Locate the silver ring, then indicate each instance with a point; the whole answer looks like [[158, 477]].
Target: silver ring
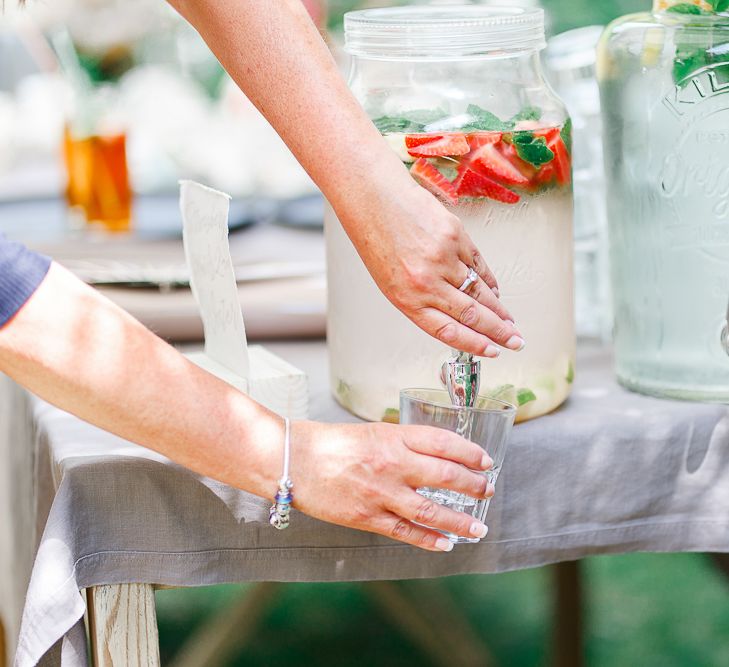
[[471, 278]]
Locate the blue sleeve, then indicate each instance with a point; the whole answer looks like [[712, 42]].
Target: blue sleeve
[[21, 271]]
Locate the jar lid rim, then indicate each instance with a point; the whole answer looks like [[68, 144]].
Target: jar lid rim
[[442, 15], [443, 30]]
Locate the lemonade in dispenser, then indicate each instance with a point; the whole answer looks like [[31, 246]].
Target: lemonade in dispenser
[[458, 93]]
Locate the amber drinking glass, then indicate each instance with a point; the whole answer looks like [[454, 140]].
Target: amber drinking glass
[[98, 189]]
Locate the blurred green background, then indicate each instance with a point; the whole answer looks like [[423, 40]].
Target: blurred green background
[[647, 610], [641, 610], [564, 14]]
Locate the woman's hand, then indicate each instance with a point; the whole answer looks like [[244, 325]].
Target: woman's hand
[[419, 254], [365, 476]]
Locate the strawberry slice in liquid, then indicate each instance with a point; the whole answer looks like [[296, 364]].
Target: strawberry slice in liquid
[[415, 140], [451, 144], [479, 139], [490, 161], [528, 171], [473, 184], [433, 181], [562, 161]]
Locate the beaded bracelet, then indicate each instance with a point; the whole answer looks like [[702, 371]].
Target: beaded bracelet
[[278, 516]]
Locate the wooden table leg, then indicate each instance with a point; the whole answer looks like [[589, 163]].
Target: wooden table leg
[[123, 626], [568, 648]]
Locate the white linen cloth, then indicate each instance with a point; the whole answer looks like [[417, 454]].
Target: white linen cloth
[[609, 472]]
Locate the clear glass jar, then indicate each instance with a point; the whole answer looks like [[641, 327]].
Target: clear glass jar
[[569, 62], [459, 94], [664, 79]]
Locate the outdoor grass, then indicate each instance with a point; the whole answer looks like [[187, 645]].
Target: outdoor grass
[[667, 610]]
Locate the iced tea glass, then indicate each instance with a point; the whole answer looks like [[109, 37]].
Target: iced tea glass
[[98, 189], [488, 424]]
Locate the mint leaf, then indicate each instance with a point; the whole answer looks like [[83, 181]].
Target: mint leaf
[[570, 377], [689, 58], [409, 121], [524, 396], [343, 389], [719, 5], [479, 120], [424, 116], [566, 134], [530, 113], [687, 61], [532, 149], [386, 124], [685, 8], [485, 121]]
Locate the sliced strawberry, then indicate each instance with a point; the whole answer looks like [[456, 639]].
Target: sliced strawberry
[[528, 171], [414, 140], [489, 161], [546, 174], [472, 184], [453, 143], [562, 161], [552, 134], [433, 181], [479, 139], [463, 168]]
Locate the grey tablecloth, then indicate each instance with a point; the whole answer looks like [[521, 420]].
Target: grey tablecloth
[[609, 472]]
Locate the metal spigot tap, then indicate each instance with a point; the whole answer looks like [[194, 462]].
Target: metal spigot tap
[[462, 377]]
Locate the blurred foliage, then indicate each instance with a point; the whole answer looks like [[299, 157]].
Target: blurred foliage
[[652, 610], [108, 66], [568, 14], [564, 14]]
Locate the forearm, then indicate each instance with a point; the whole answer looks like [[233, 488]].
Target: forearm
[[277, 57], [77, 350]]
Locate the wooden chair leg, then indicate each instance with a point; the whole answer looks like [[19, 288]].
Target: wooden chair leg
[[432, 621], [721, 562], [3, 646], [217, 641], [123, 626], [448, 618], [568, 643]]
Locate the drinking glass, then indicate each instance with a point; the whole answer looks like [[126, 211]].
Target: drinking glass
[[98, 191], [488, 424]]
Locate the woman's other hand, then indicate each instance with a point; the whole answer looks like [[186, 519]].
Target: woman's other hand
[[365, 476]]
